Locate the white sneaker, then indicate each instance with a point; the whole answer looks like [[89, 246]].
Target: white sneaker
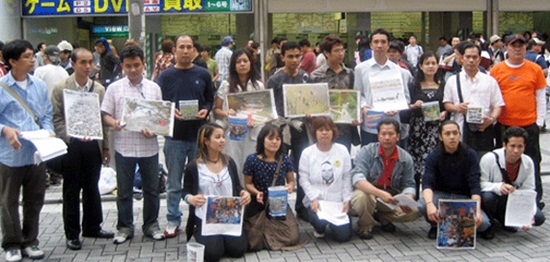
[[318, 235], [158, 235], [120, 238], [13, 255], [33, 252], [171, 231]]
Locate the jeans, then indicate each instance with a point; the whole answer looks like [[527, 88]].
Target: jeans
[[339, 233], [495, 207], [437, 195], [125, 169], [177, 153]]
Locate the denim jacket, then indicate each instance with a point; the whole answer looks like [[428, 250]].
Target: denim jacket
[[369, 166]]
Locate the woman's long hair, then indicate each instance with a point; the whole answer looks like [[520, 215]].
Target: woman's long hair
[[419, 77], [205, 133], [233, 78], [267, 131]]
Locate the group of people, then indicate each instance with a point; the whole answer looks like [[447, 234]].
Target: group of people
[[401, 152]]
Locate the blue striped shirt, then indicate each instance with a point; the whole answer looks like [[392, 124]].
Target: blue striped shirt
[[12, 114]]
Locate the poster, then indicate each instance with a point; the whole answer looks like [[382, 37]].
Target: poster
[[388, 93], [302, 99], [457, 229], [238, 128], [222, 216], [431, 111], [344, 106], [189, 109], [278, 201], [372, 118], [260, 105], [82, 114], [155, 115]]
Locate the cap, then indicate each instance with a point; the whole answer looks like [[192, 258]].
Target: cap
[[538, 41], [65, 46], [514, 38], [227, 40], [493, 39], [53, 54]]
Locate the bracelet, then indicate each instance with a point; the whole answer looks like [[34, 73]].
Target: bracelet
[[185, 199], [429, 203]]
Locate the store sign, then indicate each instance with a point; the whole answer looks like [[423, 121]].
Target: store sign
[[37, 8]]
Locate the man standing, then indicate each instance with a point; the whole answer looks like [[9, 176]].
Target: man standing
[[133, 148], [338, 76], [452, 172], [382, 170], [535, 55], [223, 58], [17, 167], [39, 55], [65, 53], [495, 50], [51, 72], [504, 171], [183, 82], [108, 62], [308, 57], [365, 71], [413, 51], [82, 164], [210, 63], [522, 84], [443, 47], [469, 90]]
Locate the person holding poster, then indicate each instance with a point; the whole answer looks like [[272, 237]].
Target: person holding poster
[[452, 172], [383, 74], [212, 173], [325, 176], [505, 170]]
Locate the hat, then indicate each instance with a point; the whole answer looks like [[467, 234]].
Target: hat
[[538, 41], [514, 38], [53, 54], [65, 46], [494, 38], [227, 40]]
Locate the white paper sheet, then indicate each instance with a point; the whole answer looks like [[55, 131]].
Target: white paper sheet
[[222, 216], [403, 201], [520, 208], [388, 92], [332, 212], [47, 147]]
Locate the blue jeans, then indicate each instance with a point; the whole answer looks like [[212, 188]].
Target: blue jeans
[[485, 224], [341, 233], [125, 169], [177, 153]]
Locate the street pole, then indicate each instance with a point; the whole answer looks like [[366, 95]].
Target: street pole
[[136, 22]]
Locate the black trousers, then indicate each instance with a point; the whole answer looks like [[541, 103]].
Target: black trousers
[[81, 169]]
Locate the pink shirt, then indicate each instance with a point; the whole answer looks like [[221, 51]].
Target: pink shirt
[[130, 144]]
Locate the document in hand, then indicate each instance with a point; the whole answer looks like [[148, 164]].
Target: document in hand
[[332, 212], [520, 208], [403, 201], [47, 147]]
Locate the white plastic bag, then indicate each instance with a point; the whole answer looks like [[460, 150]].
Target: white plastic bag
[[107, 180]]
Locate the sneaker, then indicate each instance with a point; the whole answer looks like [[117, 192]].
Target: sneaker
[[33, 252], [432, 234], [158, 235], [317, 234], [120, 238], [13, 255], [171, 231]]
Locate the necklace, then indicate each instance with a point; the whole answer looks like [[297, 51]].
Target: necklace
[[213, 161]]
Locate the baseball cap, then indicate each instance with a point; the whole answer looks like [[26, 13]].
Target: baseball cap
[[65, 46], [53, 53], [514, 38], [227, 40], [538, 41], [494, 38]]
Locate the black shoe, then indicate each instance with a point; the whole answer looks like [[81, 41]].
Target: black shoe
[[100, 234], [541, 205], [389, 227], [302, 214], [488, 234], [365, 235], [510, 229], [74, 244], [432, 234]]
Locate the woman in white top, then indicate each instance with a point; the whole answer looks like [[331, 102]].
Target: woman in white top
[[212, 173], [325, 176], [242, 75]]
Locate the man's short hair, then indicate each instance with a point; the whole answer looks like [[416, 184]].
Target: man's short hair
[[181, 36], [398, 46], [14, 49], [131, 52], [205, 48], [389, 121], [447, 122], [77, 52], [443, 38], [380, 31], [304, 42], [467, 45], [515, 131], [330, 41], [289, 45], [281, 39]]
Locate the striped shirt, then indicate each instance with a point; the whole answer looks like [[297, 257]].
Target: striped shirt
[[130, 144], [15, 116]]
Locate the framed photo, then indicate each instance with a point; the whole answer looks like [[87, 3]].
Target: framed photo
[[474, 115], [222, 216], [458, 227], [345, 106], [430, 111], [260, 105], [82, 114], [302, 99], [155, 115], [238, 128], [189, 109]]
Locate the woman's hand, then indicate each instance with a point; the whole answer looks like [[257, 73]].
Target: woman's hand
[[260, 198], [231, 112], [245, 197], [197, 200], [289, 187], [417, 104], [346, 208], [314, 206]]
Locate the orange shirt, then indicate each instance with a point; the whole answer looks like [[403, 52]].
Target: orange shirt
[[518, 87]]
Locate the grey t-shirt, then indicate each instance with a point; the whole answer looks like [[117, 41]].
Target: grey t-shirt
[[276, 82]]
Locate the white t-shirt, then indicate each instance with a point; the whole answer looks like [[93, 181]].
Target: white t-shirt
[[51, 74]]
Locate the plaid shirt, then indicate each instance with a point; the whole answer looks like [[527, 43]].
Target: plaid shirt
[[130, 144], [223, 58]]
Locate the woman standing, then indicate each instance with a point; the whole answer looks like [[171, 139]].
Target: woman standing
[[212, 173], [165, 59], [242, 78], [427, 86], [325, 175]]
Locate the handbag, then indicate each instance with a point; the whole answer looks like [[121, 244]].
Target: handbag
[[264, 232]]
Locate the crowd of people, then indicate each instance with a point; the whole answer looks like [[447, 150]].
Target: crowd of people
[[483, 145]]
